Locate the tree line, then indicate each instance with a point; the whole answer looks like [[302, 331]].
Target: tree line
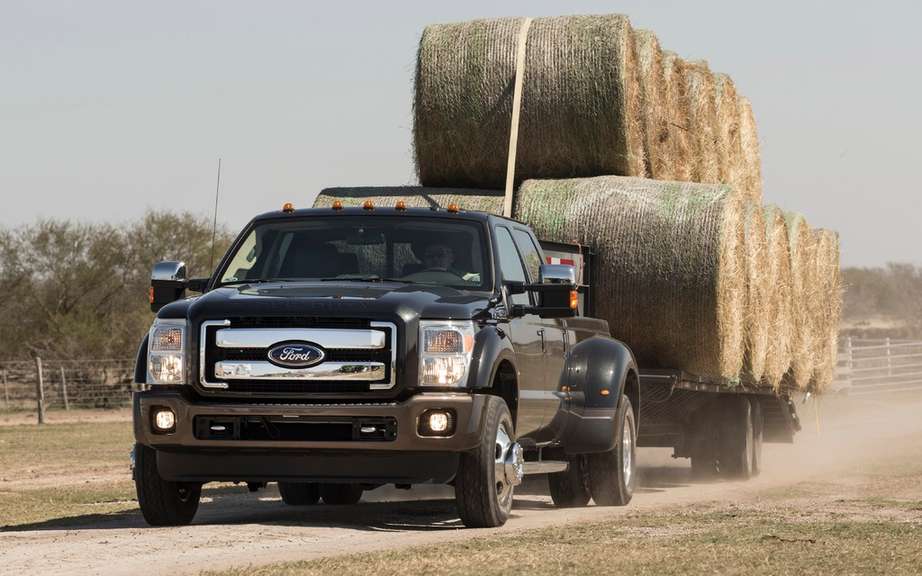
[[893, 291], [75, 290]]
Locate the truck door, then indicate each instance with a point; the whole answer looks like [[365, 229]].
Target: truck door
[[526, 333], [553, 331]]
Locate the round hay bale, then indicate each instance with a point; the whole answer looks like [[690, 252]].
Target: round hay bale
[[758, 291], [671, 270], [702, 121], [729, 147], [829, 309], [677, 116], [800, 247], [413, 196], [658, 149], [749, 147], [580, 101], [778, 273]]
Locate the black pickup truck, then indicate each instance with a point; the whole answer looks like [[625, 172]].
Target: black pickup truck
[[337, 350]]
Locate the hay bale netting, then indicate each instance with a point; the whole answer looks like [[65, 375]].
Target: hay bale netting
[[829, 311], [677, 116], [729, 147], [414, 196], [749, 147], [778, 278], [658, 149], [757, 293], [702, 121], [800, 248], [580, 101], [670, 263]]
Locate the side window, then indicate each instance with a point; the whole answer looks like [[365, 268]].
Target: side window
[[529, 252], [510, 263]]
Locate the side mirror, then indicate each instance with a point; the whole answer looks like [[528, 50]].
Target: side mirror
[[556, 289], [167, 283]]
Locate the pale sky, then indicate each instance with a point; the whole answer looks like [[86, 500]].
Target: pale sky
[[108, 108]]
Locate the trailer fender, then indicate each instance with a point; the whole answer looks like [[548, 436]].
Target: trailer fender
[[597, 374]]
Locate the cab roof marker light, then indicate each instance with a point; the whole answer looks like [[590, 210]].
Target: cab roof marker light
[[400, 205], [454, 208], [337, 205], [288, 208], [368, 205]]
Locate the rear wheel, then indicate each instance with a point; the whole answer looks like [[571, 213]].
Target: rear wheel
[[341, 494], [162, 503], [613, 474], [487, 475], [570, 489], [736, 437], [299, 493]]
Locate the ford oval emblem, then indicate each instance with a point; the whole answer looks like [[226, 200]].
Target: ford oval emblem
[[295, 355]]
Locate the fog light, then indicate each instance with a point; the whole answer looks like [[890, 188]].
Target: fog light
[[437, 423], [164, 420]]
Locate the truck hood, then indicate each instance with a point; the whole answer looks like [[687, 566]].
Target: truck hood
[[374, 300]]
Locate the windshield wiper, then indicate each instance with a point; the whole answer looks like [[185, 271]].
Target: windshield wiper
[[367, 278]]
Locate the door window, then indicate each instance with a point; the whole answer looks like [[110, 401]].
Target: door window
[[529, 252], [511, 264]]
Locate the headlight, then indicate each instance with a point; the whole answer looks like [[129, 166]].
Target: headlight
[[166, 352], [445, 350]]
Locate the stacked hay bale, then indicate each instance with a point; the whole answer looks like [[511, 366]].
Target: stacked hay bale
[[758, 292], [692, 276], [828, 308], [780, 314], [580, 101]]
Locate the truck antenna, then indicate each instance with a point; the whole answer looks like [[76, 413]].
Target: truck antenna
[[214, 223]]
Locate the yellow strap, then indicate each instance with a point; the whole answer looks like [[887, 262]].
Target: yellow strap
[[516, 109]]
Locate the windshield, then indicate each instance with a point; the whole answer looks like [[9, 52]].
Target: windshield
[[413, 250]]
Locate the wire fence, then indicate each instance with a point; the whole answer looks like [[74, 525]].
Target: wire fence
[[39, 385], [881, 366]]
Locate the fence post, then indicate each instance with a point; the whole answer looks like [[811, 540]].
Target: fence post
[[6, 390], [889, 364], [64, 389], [40, 391]]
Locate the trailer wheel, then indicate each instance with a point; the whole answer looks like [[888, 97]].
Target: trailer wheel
[[703, 442], [758, 425], [299, 493], [341, 494], [570, 489], [162, 503], [488, 474], [736, 437], [613, 474]]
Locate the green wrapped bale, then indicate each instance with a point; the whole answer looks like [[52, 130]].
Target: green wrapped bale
[[580, 101], [671, 263]]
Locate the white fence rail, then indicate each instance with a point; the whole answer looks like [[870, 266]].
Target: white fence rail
[[879, 366]]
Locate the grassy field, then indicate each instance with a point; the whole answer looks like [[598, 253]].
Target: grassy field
[[809, 534], [63, 470]]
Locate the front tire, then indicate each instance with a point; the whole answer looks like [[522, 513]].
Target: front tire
[[613, 474], [570, 489], [483, 490], [162, 503], [299, 493]]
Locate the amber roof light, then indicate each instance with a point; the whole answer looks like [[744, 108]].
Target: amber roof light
[[368, 205], [400, 205], [288, 208], [337, 205], [454, 208]]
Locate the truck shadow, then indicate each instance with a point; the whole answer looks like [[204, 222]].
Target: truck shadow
[[424, 508]]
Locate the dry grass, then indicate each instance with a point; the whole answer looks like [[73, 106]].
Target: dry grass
[[729, 147], [581, 100], [676, 95], [413, 196], [828, 312], [672, 274], [778, 277]]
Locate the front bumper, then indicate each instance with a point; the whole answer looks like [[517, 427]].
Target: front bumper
[[406, 457]]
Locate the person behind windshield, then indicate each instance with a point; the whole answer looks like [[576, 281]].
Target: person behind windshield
[[439, 257]]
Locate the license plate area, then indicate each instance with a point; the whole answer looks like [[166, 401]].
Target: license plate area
[[272, 428]]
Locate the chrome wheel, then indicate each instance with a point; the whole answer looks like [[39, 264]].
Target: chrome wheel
[[627, 448], [507, 465]]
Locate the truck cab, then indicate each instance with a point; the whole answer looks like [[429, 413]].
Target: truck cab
[[335, 350]]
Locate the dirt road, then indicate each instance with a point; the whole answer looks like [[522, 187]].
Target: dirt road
[[235, 528]]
